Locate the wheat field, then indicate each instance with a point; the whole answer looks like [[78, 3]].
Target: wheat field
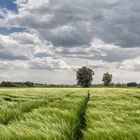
[[69, 114]]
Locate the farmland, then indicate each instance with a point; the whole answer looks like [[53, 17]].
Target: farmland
[[69, 114], [113, 114]]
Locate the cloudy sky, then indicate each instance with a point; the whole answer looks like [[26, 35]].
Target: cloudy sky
[[48, 40]]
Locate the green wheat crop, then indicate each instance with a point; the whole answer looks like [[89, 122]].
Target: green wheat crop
[[69, 114], [113, 114]]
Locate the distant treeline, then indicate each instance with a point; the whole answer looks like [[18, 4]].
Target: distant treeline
[[131, 84], [32, 84]]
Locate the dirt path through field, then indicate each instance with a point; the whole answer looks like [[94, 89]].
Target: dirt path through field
[[78, 133]]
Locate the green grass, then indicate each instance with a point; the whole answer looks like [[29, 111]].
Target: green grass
[[39, 113], [62, 114], [113, 114]]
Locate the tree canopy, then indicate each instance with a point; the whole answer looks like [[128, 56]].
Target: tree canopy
[[107, 78], [84, 76]]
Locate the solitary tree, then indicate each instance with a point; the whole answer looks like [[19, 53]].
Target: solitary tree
[[84, 76], [107, 78]]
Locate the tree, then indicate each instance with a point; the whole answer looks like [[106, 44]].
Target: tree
[[29, 84], [84, 76], [107, 78], [132, 84]]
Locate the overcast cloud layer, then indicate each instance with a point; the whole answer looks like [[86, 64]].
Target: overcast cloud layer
[[47, 41]]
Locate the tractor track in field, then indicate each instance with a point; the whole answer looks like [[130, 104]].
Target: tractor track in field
[[78, 131]]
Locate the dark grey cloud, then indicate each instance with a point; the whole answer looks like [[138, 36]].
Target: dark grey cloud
[[112, 21], [98, 50]]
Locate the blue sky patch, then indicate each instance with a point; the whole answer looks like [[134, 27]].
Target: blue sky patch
[[8, 4], [7, 31]]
